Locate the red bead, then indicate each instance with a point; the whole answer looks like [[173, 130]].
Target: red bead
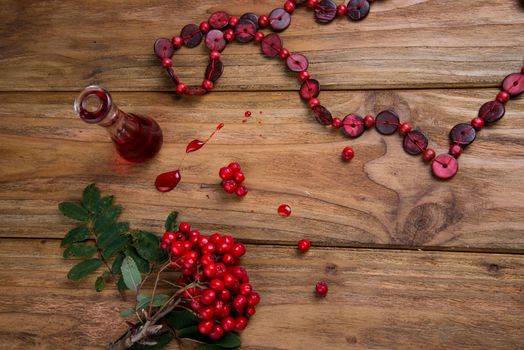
[[204, 27], [369, 121], [284, 53], [428, 154], [337, 123], [233, 21], [177, 42], [477, 123], [321, 288], [167, 63], [207, 84], [314, 102], [289, 6], [348, 154], [259, 36], [455, 150], [229, 34], [342, 10], [303, 75], [444, 166], [503, 97], [312, 3], [181, 88], [214, 55], [263, 20], [405, 128], [304, 245]]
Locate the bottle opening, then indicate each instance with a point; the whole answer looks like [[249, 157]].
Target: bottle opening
[[93, 104]]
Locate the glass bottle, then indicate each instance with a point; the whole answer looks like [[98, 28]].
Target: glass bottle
[[136, 138]]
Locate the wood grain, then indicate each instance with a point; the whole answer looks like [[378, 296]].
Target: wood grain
[[383, 197], [378, 299], [65, 45]]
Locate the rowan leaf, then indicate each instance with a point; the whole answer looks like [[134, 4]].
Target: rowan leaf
[[79, 250], [83, 269], [130, 273], [74, 211], [100, 283], [91, 198], [78, 234], [117, 245], [147, 245]]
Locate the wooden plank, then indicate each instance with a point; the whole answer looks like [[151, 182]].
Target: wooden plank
[[49, 45], [383, 197], [378, 299]]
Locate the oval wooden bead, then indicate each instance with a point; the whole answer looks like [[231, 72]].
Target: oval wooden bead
[[191, 35], [214, 70], [215, 40], [322, 115], [387, 122], [279, 19], [513, 84], [297, 62], [252, 17], [310, 88], [491, 111], [163, 48], [415, 142], [271, 45], [462, 134], [353, 125]]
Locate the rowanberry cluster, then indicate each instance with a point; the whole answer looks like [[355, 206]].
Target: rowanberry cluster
[[232, 179], [222, 296]]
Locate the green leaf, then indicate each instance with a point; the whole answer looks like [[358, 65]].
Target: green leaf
[[91, 197], [78, 234], [171, 221], [104, 203], [182, 319], [127, 313], [100, 283], [144, 300], [73, 211], [229, 340], [142, 264], [130, 273], [210, 347], [83, 269], [107, 217], [111, 232], [161, 342], [116, 246], [148, 246], [79, 250], [117, 264], [120, 284], [189, 332]]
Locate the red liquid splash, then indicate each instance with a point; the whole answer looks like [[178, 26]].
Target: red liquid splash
[[284, 210], [165, 182]]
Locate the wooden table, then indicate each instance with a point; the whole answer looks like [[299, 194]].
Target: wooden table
[[411, 262]]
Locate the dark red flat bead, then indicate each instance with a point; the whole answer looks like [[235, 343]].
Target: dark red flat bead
[[215, 40], [322, 115], [513, 84], [491, 111], [415, 142], [191, 35], [310, 88], [163, 48], [219, 20], [444, 166], [387, 122], [245, 30], [353, 125], [214, 70], [357, 9], [462, 134], [196, 91], [271, 45], [279, 19], [325, 11], [252, 17], [297, 62]]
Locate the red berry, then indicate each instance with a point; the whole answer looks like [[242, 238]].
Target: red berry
[[195, 305], [203, 241], [177, 249], [228, 259], [210, 270], [208, 297], [221, 270], [186, 245], [215, 238], [239, 302], [225, 173], [428, 154], [241, 323], [239, 272], [184, 227], [208, 248], [229, 281], [348, 154], [304, 245], [168, 236], [225, 295], [216, 284], [216, 333], [238, 250], [229, 186], [241, 191], [228, 324], [234, 166], [263, 20], [336, 123], [226, 309], [250, 311], [246, 289], [312, 3], [206, 313], [369, 121], [223, 247], [239, 176], [477, 123], [321, 288], [253, 299], [191, 255], [455, 150], [204, 327]]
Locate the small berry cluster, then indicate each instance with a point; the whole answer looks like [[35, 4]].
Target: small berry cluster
[[232, 179], [321, 287], [217, 287]]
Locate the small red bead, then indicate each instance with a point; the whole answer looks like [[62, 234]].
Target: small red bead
[[233, 21], [259, 36], [477, 123], [428, 154], [229, 34], [303, 75], [348, 154], [284, 53], [369, 121], [207, 84], [312, 3], [304, 245], [342, 10], [181, 88], [321, 288], [503, 97], [214, 55], [177, 42], [455, 150], [405, 128], [337, 123], [313, 102], [289, 6], [263, 20], [204, 27], [166, 62]]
